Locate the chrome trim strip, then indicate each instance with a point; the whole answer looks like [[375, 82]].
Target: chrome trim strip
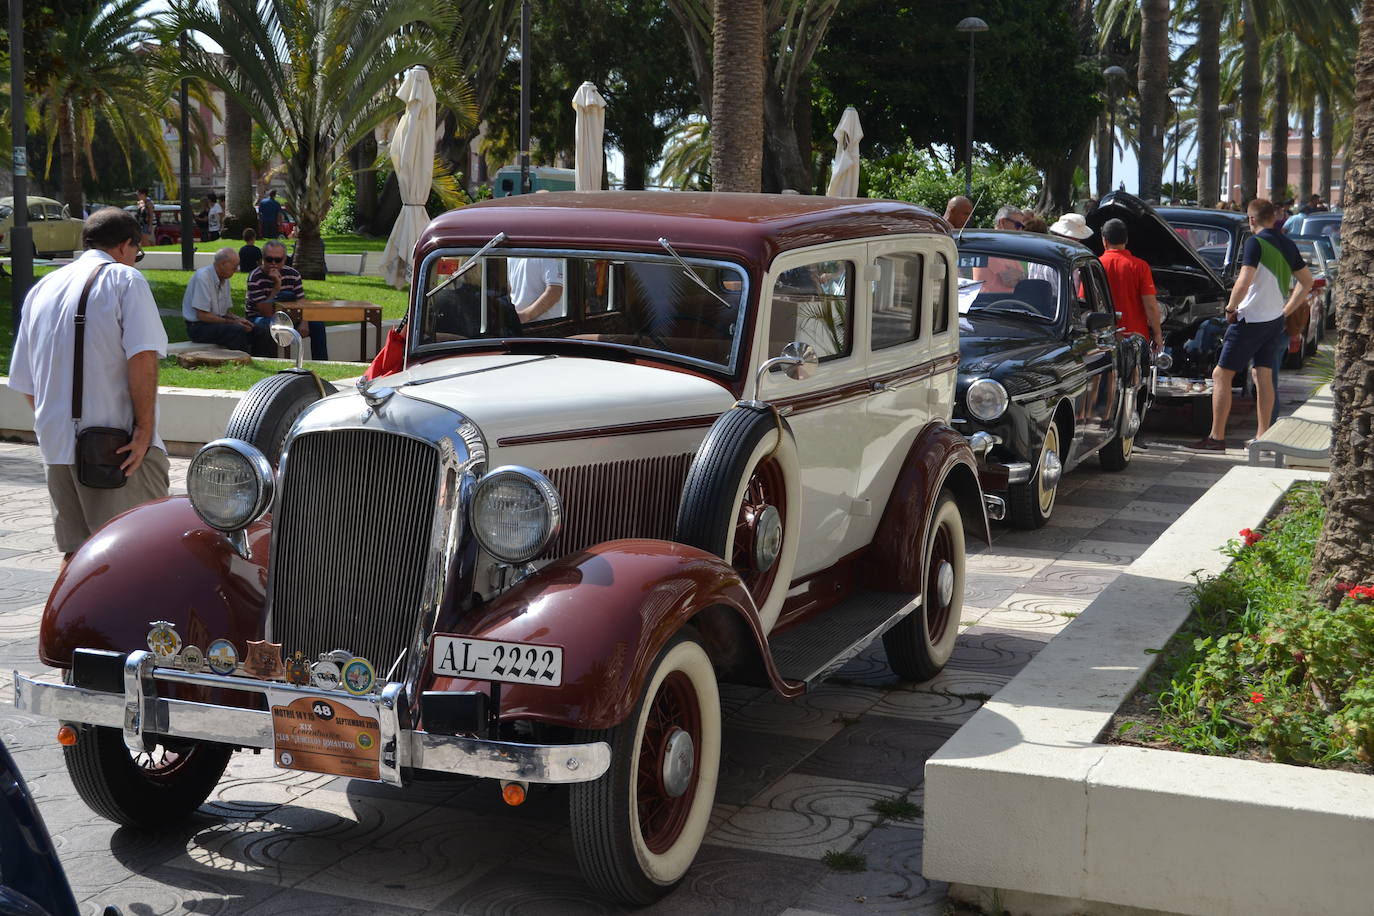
[[414, 347], [418, 750]]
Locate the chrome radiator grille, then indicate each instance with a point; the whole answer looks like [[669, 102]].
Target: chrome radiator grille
[[353, 526], [619, 499]]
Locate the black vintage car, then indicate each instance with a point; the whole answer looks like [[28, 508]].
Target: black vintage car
[[1043, 368], [1192, 294]]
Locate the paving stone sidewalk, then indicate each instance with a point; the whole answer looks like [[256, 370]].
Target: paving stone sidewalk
[[799, 778]]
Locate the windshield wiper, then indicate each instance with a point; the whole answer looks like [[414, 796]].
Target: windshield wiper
[[470, 263], [1007, 310], [691, 272]]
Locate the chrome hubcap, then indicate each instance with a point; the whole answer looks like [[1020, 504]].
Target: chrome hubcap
[[1051, 471], [767, 538], [944, 582], [678, 752]]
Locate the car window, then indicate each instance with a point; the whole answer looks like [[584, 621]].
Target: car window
[[983, 279], [897, 302], [1211, 242], [6, 211], [644, 302], [814, 304], [938, 285], [35, 213], [52, 211]]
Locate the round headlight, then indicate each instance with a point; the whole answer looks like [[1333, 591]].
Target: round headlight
[[230, 483], [515, 513], [986, 399]]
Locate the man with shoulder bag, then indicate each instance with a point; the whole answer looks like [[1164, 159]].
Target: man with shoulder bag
[[86, 358]]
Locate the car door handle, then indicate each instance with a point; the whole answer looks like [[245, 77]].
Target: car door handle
[[882, 386]]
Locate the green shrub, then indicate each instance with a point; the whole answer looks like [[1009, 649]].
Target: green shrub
[[920, 177]]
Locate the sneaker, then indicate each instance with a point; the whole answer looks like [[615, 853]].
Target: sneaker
[[1207, 443]]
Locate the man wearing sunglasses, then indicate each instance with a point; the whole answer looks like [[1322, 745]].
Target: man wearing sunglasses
[[122, 340], [276, 281]]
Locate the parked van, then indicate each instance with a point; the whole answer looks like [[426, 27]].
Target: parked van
[[542, 178]]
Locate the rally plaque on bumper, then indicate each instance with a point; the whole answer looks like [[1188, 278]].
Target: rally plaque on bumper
[[331, 735]]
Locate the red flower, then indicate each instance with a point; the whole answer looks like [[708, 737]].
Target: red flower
[[1361, 591], [1251, 536], [1256, 697]]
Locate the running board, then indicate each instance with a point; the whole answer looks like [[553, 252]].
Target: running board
[[812, 651]]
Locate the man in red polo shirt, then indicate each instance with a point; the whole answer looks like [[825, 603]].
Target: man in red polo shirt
[[1133, 287]]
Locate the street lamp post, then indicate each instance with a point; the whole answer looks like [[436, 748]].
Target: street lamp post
[[1178, 94], [972, 25], [1112, 74]]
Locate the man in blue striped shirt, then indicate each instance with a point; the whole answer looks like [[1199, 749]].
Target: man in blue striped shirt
[[275, 281]]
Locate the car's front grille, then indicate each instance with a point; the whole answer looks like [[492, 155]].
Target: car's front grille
[[637, 498], [353, 527]]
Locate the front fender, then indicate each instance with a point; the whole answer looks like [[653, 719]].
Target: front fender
[[158, 561], [939, 457], [612, 608]]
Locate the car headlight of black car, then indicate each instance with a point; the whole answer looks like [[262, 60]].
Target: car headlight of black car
[[230, 483], [986, 399], [515, 513]]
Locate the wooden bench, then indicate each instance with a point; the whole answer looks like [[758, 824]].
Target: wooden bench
[[1309, 441]]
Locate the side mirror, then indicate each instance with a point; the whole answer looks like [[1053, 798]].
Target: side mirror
[[284, 334], [1098, 321], [798, 361]]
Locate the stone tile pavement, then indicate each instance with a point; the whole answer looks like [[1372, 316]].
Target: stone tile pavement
[[799, 780]]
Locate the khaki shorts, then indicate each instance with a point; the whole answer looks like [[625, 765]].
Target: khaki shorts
[[77, 510]]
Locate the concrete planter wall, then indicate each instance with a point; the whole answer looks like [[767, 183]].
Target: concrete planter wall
[[1023, 801]]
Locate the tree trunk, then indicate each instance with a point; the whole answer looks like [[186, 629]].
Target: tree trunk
[[364, 184], [1305, 150], [1250, 91], [1326, 132], [1342, 553], [1209, 103], [636, 170], [1105, 156], [1278, 132], [69, 161], [783, 167], [240, 210], [1154, 76], [737, 96], [308, 256]]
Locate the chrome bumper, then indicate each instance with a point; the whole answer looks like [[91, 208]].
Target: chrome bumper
[[1168, 386], [139, 711], [982, 444]]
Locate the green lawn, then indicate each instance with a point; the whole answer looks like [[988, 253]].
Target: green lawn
[[240, 378], [170, 285], [333, 244]]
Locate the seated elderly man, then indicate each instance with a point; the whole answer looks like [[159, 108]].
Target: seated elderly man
[[207, 306], [1002, 274]]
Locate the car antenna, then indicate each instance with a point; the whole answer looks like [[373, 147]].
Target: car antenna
[[959, 237]]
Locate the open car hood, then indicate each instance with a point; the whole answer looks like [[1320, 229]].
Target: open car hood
[[1153, 240]]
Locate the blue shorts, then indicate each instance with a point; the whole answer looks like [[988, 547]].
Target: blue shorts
[[1251, 342]]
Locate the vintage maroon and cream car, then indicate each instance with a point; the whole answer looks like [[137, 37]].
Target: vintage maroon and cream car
[[723, 454]]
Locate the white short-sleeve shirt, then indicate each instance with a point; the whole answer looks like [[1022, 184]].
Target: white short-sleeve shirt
[[121, 321], [207, 292], [529, 277], [216, 217]]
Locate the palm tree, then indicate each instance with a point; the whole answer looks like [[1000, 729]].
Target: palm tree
[[1342, 553], [317, 77], [1208, 47], [239, 190], [1154, 76], [737, 96], [686, 161], [97, 73]]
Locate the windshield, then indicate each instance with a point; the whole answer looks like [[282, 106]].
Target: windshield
[[1211, 242], [1308, 249], [996, 283], [644, 302]]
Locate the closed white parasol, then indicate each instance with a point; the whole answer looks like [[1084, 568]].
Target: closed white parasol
[[844, 174], [412, 155], [591, 126]]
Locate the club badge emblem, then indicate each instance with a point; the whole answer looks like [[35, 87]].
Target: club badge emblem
[[222, 657], [324, 674], [163, 640], [298, 669], [358, 676], [192, 660], [264, 660]]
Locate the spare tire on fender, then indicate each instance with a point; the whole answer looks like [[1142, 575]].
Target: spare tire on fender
[[269, 409], [742, 501]]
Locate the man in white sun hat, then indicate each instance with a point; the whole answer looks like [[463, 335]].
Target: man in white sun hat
[[1072, 226]]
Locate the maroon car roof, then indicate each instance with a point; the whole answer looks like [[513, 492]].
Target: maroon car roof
[[748, 227]]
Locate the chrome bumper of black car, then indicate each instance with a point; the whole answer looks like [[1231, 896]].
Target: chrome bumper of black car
[[996, 475], [140, 712]]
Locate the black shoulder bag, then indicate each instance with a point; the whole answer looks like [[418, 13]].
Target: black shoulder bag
[[97, 462]]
